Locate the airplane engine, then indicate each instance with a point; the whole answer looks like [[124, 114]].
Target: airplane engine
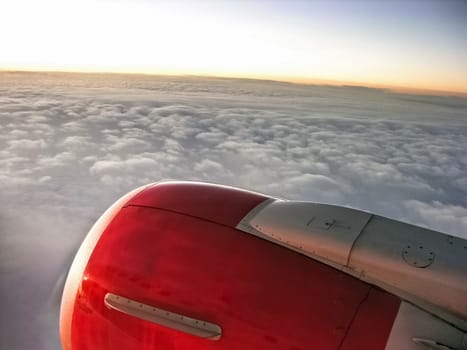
[[195, 266]]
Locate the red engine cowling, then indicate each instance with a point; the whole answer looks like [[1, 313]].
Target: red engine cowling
[[165, 268]]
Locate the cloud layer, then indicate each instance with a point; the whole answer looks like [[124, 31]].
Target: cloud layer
[[72, 144]]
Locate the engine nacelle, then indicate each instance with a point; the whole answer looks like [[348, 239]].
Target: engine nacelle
[[168, 267]]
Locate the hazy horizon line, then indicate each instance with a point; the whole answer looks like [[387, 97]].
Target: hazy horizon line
[[288, 80]]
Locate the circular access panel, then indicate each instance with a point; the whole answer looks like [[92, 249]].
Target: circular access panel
[[418, 255]]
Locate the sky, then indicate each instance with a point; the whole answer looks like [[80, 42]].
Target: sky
[[409, 44], [70, 145]]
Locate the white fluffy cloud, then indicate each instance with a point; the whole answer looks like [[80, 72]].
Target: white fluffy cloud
[[70, 145], [25, 144]]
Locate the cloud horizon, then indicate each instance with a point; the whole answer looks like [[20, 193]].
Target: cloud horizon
[[72, 144]]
